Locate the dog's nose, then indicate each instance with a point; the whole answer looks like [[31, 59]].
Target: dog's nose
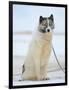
[[48, 30]]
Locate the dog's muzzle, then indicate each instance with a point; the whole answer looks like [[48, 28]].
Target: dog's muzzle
[[44, 30]]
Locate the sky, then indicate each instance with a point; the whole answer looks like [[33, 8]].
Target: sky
[[26, 17]]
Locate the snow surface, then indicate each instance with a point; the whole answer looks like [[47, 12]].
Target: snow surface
[[55, 74], [54, 77]]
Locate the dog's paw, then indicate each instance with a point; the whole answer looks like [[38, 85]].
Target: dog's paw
[[47, 78]]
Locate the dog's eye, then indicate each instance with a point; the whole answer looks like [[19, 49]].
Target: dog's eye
[[44, 23], [50, 23]]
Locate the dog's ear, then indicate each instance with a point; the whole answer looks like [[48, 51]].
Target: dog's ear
[[40, 19], [51, 17]]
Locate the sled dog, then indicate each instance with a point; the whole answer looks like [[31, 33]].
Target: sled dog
[[36, 62]]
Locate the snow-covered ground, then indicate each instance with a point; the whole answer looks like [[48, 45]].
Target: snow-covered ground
[[55, 74], [54, 77]]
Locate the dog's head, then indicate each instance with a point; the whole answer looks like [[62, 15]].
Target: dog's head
[[46, 24]]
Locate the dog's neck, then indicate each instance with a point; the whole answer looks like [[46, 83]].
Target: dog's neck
[[42, 37]]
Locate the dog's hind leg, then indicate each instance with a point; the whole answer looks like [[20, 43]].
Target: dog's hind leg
[[23, 68]]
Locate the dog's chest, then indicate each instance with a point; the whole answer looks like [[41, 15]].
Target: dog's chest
[[42, 48]]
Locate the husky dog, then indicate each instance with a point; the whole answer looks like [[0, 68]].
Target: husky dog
[[36, 63]]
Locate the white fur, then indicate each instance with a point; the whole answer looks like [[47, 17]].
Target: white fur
[[38, 56]]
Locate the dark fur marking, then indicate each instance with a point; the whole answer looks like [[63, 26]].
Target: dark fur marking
[[23, 68]]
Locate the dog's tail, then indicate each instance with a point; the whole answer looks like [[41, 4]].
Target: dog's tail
[[23, 68]]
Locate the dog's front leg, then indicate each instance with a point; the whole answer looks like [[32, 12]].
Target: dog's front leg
[[37, 69]]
